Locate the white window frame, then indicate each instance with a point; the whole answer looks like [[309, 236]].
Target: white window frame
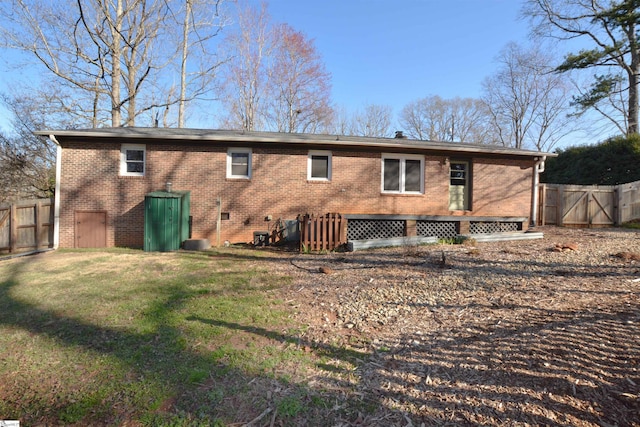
[[240, 150], [318, 153], [402, 158], [123, 159]]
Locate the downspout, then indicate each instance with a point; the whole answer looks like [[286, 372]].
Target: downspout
[[537, 170], [56, 194]]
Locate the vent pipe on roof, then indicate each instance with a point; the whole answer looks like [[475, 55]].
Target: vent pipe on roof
[[399, 135]]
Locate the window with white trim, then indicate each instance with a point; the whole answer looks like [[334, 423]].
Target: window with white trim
[[319, 166], [132, 159], [402, 174], [239, 163]]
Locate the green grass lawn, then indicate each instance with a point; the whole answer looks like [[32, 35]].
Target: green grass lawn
[[126, 337]]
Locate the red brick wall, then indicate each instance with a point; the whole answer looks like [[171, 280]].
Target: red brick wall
[[278, 187]]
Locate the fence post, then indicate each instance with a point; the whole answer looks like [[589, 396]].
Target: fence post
[[304, 223], [313, 232], [320, 235], [37, 218], [13, 230], [542, 201], [560, 207], [616, 204], [312, 238], [331, 223], [321, 232]]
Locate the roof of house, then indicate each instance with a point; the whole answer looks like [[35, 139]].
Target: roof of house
[[294, 139]]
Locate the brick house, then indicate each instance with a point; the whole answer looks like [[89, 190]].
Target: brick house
[[104, 175]]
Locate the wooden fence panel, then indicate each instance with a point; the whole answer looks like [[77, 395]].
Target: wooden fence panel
[[5, 241], [602, 207], [26, 225], [551, 201], [322, 232], [629, 201], [584, 207], [588, 206], [44, 229]]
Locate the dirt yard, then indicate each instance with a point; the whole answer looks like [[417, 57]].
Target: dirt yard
[[537, 332]]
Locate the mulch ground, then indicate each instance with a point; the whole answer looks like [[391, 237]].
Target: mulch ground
[[534, 332]]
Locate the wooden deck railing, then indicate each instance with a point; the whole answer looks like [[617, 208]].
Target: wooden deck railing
[[322, 232]]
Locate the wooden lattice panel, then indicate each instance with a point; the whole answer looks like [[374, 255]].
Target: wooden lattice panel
[[361, 229], [440, 229], [492, 227]]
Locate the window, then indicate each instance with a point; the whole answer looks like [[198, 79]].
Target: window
[[239, 163], [132, 160], [319, 166], [403, 174]]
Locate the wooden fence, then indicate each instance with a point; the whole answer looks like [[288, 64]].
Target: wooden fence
[[588, 206], [629, 201], [322, 232], [26, 225]]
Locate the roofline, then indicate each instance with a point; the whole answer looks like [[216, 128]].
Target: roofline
[[209, 135]]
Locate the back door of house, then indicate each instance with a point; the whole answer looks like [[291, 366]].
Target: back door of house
[[91, 229], [459, 186]]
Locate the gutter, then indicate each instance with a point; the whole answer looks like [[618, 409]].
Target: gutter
[[56, 194], [537, 170]]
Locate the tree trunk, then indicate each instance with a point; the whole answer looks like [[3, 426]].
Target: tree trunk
[[183, 70], [116, 30], [96, 100], [632, 125]]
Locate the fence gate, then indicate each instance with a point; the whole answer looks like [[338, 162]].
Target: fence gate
[[322, 232], [26, 225], [578, 206]]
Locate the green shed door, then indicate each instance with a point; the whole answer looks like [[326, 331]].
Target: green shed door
[[162, 224], [185, 212]]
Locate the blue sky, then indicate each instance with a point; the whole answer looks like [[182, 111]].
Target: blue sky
[[391, 53]]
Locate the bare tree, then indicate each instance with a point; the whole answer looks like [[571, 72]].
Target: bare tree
[[437, 119], [47, 32], [274, 79], [96, 46], [243, 83], [373, 121], [610, 26], [340, 122], [110, 53], [527, 100], [201, 21], [299, 86], [26, 161]]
